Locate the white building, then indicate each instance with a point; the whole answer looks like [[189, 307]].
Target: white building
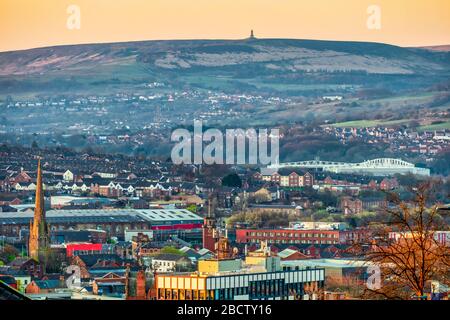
[[68, 175]]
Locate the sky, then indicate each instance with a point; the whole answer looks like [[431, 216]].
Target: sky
[[37, 23]]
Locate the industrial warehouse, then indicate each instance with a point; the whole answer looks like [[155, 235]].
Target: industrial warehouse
[[114, 222]]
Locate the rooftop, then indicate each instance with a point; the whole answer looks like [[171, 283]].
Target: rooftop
[[104, 216], [327, 263]]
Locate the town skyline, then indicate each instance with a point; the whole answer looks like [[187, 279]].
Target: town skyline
[[134, 153]]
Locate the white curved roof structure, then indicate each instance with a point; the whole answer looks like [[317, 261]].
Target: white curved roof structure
[[380, 166]]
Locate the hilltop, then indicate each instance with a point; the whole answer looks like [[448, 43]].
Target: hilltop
[[283, 65]]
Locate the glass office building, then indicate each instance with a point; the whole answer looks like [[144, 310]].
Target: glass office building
[[242, 285]]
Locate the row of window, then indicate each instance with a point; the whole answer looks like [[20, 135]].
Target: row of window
[[292, 234], [296, 241], [255, 290]]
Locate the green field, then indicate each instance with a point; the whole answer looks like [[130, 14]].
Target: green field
[[437, 126], [369, 123]]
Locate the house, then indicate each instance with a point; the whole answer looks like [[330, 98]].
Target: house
[[292, 254], [284, 179], [111, 284], [25, 186], [9, 199], [205, 253], [190, 253], [68, 175], [259, 194], [87, 261], [45, 286], [22, 176], [168, 262], [105, 175], [372, 185], [21, 278], [6, 208], [28, 266], [388, 184], [351, 206]]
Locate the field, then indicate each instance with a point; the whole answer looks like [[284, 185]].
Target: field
[[369, 123], [437, 126]]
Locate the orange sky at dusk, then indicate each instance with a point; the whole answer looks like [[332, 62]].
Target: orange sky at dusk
[[36, 23]]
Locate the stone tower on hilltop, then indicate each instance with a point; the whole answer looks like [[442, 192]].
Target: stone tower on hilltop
[[252, 35], [39, 241]]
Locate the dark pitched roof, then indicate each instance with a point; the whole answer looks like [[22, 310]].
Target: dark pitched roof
[[92, 259], [18, 262], [49, 284]]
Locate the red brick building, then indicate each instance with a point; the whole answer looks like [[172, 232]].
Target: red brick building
[[308, 180], [287, 236], [351, 206], [28, 266], [388, 184], [353, 236], [8, 200]]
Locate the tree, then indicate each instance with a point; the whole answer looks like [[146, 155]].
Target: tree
[[406, 248], [442, 163], [232, 180], [265, 219], [8, 253], [192, 208], [54, 262], [172, 250], [320, 215]]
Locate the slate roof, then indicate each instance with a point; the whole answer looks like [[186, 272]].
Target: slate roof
[[92, 259], [48, 284], [18, 262]]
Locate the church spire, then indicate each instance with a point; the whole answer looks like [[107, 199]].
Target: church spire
[[39, 213], [39, 235]]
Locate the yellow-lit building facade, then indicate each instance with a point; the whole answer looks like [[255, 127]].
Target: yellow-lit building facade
[[238, 285], [229, 278]]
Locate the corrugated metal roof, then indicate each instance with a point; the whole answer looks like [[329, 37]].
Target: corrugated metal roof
[[104, 216]]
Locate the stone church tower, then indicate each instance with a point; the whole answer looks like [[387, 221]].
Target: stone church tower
[[209, 235], [39, 241]]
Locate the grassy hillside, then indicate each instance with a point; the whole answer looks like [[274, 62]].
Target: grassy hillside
[[284, 66]]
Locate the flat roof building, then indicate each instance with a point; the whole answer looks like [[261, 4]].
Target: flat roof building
[[259, 278], [114, 221], [239, 285], [288, 236]]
